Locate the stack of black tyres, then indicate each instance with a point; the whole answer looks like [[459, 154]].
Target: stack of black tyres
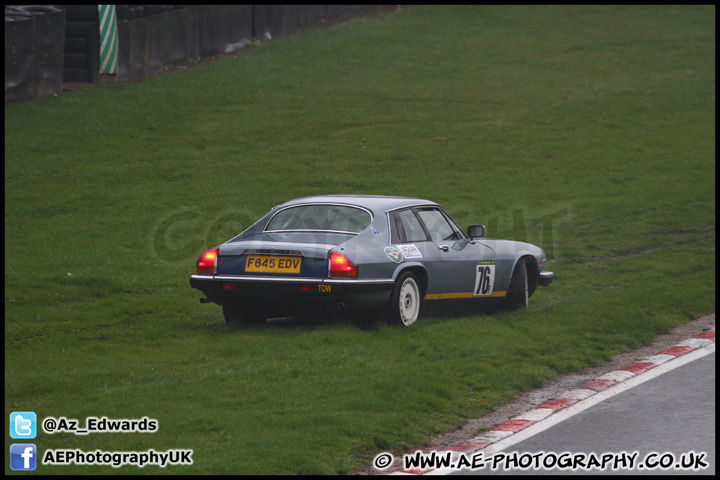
[[82, 43], [33, 51]]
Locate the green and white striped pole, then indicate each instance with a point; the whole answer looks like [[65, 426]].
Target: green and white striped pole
[[108, 39]]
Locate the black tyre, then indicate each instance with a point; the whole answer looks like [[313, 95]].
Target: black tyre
[[404, 305], [237, 313], [518, 292]]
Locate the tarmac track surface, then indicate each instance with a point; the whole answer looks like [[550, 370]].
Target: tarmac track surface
[[552, 390]]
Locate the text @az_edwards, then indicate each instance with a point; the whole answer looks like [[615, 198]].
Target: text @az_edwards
[[99, 425]]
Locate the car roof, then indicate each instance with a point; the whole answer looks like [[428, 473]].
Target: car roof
[[370, 202]]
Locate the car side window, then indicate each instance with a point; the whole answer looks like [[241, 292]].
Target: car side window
[[407, 228], [438, 225]]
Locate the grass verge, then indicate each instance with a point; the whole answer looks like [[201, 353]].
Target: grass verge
[[587, 130]]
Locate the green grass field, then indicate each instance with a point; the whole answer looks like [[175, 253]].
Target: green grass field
[[587, 130]]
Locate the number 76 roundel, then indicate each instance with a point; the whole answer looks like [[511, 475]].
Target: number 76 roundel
[[484, 278]]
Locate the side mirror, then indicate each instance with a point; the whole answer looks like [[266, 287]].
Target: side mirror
[[476, 231]]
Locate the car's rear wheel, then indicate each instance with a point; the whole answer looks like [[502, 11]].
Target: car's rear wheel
[[404, 306], [518, 292], [238, 313]]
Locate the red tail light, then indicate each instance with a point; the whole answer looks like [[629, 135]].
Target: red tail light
[[340, 266], [207, 262]]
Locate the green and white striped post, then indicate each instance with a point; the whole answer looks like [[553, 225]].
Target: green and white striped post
[[108, 39]]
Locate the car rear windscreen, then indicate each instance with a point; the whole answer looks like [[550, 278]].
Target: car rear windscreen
[[327, 218]]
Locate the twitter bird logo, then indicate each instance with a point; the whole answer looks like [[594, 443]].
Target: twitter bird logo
[[23, 425]]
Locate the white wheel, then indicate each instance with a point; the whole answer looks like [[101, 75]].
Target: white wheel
[[405, 302]]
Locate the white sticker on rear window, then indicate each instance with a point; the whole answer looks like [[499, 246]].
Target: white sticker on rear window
[[410, 251]]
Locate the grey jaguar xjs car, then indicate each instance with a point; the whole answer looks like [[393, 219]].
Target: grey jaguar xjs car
[[363, 252]]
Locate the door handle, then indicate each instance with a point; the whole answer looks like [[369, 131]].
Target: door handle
[[444, 248]]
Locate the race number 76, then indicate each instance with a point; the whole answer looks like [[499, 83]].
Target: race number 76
[[484, 278]]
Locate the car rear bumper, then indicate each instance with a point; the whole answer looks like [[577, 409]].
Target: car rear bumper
[[545, 278], [300, 291]]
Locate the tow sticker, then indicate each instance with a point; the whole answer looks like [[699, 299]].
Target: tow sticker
[[394, 254], [484, 278]]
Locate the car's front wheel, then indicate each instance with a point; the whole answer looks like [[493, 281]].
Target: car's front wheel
[[404, 306], [518, 292], [237, 313]]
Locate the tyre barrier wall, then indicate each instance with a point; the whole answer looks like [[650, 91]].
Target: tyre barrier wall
[[34, 38], [82, 36], [271, 21], [148, 44], [46, 45], [181, 36]]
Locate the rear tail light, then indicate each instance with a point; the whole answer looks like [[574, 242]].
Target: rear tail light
[[207, 262], [340, 266]]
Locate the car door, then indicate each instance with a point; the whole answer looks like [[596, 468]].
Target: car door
[[412, 242], [468, 267]]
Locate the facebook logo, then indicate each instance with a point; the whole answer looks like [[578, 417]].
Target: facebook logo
[[23, 456], [23, 425]]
